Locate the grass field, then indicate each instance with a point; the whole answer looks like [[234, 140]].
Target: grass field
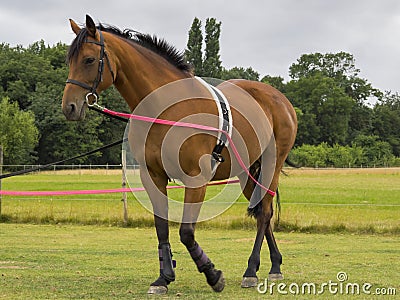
[[98, 262], [331, 221], [348, 200]]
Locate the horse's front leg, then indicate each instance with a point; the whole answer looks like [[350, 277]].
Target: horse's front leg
[[193, 201], [167, 273], [155, 185]]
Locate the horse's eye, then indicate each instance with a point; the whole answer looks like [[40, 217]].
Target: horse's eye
[[89, 60]]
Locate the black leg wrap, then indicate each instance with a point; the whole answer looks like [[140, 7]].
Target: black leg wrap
[[167, 273], [200, 258], [214, 277]]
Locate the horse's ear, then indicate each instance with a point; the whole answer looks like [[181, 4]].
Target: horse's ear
[[90, 26], [75, 27]]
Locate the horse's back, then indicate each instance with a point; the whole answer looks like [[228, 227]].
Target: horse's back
[[275, 106]]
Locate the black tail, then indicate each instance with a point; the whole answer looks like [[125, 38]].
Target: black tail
[[292, 164], [257, 210]]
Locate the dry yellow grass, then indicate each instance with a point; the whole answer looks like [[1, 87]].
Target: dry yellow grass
[[344, 171], [311, 171], [84, 172], [358, 200]]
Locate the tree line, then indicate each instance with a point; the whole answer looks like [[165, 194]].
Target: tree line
[[343, 120], [338, 125]]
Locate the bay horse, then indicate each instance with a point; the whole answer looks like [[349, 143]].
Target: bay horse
[[264, 129]]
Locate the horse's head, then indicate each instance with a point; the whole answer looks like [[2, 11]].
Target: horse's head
[[88, 61]]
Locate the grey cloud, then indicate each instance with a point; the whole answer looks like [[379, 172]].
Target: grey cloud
[[266, 35]]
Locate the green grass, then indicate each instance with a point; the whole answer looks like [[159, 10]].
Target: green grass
[[97, 262], [347, 211], [359, 200], [321, 201]]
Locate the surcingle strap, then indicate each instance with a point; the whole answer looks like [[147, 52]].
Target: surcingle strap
[[225, 122]]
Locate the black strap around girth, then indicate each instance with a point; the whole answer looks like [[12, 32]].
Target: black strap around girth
[[225, 126]]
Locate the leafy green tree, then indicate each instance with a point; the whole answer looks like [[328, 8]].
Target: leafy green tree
[[18, 133], [386, 120], [323, 155], [341, 68], [212, 65], [22, 69], [111, 129], [361, 121], [34, 77], [338, 66], [311, 155], [240, 73], [344, 156], [375, 151], [308, 131], [334, 113], [18, 92], [59, 138], [275, 81], [194, 53], [209, 64], [325, 109], [55, 55]]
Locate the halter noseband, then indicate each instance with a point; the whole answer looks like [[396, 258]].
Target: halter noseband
[[99, 78]]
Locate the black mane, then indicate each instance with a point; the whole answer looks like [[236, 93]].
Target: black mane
[[153, 43]]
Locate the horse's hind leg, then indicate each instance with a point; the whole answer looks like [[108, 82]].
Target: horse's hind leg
[[253, 264], [263, 212], [263, 229], [191, 212], [275, 255]]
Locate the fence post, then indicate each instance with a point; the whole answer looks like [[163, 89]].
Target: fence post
[[1, 172], [124, 194]]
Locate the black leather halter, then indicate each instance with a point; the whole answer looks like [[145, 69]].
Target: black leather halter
[[99, 78]]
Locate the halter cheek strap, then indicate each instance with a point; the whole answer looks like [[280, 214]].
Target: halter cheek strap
[[99, 78]]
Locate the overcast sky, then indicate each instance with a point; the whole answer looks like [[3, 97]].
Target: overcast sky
[[267, 35]]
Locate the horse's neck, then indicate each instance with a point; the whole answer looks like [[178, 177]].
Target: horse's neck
[[140, 72]]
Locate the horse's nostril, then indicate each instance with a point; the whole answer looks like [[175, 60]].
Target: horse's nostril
[[70, 111], [72, 108]]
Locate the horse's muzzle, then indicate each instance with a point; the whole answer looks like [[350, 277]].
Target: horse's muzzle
[[74, 111]]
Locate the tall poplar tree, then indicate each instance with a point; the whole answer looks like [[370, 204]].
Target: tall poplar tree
[[212, 64], [209, 64], [193, 53]]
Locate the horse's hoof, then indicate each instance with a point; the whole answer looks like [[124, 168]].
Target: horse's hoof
[[157, 290], [219, 286], [276, 276], [248, 282]]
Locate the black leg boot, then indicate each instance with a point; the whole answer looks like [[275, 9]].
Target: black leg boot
[[215, 278], [167, 273]]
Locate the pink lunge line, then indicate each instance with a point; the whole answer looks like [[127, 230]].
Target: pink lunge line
[[196, 126], [89, 192]]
